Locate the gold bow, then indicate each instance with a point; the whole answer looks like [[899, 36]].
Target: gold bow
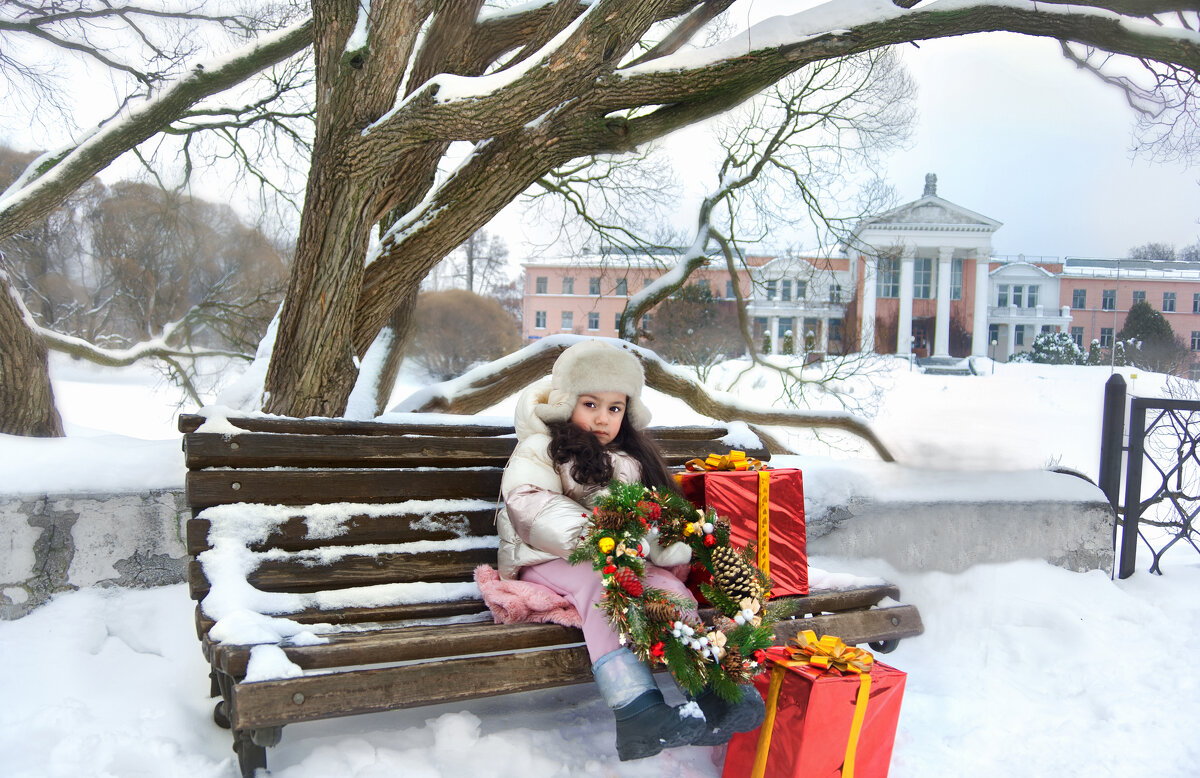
[[734, 460], [829, 652]]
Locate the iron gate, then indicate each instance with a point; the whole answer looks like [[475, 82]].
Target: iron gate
[[1163, 462]]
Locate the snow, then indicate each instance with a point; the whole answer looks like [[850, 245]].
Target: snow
[[1024, 668]]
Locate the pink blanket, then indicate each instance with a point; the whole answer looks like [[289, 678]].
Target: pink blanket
[[523, 601]]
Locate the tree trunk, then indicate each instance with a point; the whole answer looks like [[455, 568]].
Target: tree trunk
[[402, 324], [26, 397]]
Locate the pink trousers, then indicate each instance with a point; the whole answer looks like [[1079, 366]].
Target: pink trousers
[[582, 587]]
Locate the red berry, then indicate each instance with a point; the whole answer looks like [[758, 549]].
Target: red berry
[[609, 569], [710, 540]]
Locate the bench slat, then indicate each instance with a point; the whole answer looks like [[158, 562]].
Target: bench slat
[[856, 627], [348, 649], [251, 450], [190, 422], [292, 535], [273, 703], [359, 451], [206, 488], [405, 612], [354, 570]]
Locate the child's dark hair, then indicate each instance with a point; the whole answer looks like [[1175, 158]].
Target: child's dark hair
[[590, 463]]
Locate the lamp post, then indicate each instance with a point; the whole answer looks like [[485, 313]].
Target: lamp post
[[993, 355]]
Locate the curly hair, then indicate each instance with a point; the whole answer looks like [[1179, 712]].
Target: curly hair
[[589, 460]]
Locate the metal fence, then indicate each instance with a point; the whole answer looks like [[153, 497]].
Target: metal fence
[[1161, 479]]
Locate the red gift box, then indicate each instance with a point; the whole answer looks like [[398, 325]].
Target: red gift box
[[735, 495], [814, 725]]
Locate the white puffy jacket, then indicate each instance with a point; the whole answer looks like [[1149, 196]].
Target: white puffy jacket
[[545, 509]]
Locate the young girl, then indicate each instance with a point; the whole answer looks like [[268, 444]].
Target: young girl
[[575, 434]]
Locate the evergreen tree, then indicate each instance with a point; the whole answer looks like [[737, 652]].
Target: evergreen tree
[[1148, 341], [1055, 348]]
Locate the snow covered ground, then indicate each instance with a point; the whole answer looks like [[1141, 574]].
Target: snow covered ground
[[1024, 669]]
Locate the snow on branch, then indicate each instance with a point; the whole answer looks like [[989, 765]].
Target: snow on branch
[[486, 385]]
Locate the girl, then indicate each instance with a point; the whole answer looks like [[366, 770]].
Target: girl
[[574, 435]]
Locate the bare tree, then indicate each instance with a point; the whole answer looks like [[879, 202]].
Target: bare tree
[[532, 89], [457, 329]]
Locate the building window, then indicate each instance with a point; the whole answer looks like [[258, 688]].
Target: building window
[[1077, 336], [1139, 297], [1019, 337], [539, 320], [1196, 302], [622, 287], [993, 333], [1108, 300], [801, 290], [923, 278], [1195, 340], [568, 320], [729, 290], [646, 282], [568, 286], [1018, 294], [770, 290], [617, 321], [1106, 338], [594, 286], [835, 330], [1078, 299], [1031, 297], [540, 284], [1002, 296], [1168, 302], [887, 282], [593, 320], [956, 266], [835, 293], [785, 326], [646, 322], [785, 290]]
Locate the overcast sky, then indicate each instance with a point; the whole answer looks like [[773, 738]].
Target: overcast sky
[[1013, 131]]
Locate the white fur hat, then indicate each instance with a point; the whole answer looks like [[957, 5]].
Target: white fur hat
[[595, 366]]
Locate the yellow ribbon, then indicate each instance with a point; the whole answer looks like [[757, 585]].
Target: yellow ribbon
[[828, 652], [764, 524], [734, 460]]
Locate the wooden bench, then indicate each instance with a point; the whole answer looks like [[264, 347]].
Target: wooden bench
[[326, 527]]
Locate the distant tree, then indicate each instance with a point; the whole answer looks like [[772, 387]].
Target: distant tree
[[1147, 340], [1095, 355], [456, 329], [1190, 253], [694, 329], [1053, 348], [1157, 252]]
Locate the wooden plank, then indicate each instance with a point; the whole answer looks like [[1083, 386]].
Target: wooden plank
[[856, 627], [303, 487], [191, 422], [416, 611], [309, 698], [403, 644], [360, 529], [836, 600], [359, 570], [360, 451]]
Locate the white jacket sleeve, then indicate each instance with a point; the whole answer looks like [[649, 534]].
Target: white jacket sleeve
[[678, 553], [541, 515]]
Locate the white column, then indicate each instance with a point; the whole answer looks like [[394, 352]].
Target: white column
[[941, 339], [979, 332], [866, 329], [773, 329], [823, 339], [904, 323], [1010, 345]]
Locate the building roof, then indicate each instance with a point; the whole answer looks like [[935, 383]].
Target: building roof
[[1089, 267], [930, 214]]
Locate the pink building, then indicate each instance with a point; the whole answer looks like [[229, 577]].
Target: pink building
[[586, 295]]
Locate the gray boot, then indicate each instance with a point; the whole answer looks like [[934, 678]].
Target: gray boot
[[645, 723], [724, 718]]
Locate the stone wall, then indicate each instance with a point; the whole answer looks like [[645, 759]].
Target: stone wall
[[54, 543]]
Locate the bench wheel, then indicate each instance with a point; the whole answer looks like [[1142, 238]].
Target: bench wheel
[[219, 716], [251, 756], [884, 646]]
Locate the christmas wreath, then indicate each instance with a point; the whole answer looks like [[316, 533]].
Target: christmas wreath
[[661, 627]]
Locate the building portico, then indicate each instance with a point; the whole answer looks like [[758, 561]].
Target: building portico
[[931, 257]]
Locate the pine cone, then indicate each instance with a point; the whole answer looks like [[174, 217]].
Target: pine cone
[[610, 520], [628, 581], [661, 611], [733, 574]]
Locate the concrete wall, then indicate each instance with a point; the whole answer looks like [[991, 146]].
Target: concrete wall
[[55, 543], [952, 535]]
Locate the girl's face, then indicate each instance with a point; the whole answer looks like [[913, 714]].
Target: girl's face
[[600, 413]]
